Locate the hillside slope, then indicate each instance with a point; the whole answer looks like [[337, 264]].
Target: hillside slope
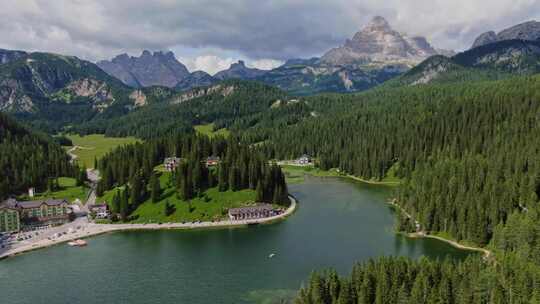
[[28, 159]]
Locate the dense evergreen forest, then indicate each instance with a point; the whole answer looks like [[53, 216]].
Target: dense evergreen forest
[[469, 156], [240, 167], [236, 105], [28, 159]]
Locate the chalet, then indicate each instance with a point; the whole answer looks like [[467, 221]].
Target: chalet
[[100, 211], [304, 160], [212, 161], [252, 212], [171, 163]]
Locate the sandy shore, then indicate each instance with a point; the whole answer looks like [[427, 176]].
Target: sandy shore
[[92, 229]]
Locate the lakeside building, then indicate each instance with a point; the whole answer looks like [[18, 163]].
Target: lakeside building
[[304, 160], [100, 211], [9, 219], [252, 212], [212, 161], [171, 163], [32, 214]]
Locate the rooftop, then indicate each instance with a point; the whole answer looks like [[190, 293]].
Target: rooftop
[[14, 204], [256, 208]]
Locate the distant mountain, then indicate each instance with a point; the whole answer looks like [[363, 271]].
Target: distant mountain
[[524, 31], [55, 90], [158, 68], [378, 43], [491, 61], [239, 71], [374, 55], [196, 79], [7, 56]]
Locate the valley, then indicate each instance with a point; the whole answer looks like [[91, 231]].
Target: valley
[[382, 170]]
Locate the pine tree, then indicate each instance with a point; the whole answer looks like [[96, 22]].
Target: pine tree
[[155, 188]]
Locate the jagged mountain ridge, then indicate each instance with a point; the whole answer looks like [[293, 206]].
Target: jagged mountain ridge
[[487, 62], [374, 55], [55, 90], [239, 70], [149, 69], [7, 56], [529, 30], [379, 43]]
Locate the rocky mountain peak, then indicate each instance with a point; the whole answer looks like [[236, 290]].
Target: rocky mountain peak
[[239, 70], [378, 42], [158, 68], [529, 31], [378, 23]]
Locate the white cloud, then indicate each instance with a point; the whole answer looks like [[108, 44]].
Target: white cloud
[[208, 63], [258, 30], [213, 63], [264, 64]]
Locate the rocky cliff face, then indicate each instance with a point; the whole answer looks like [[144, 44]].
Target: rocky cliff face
[[239, 71], [529, 31], [196, 79], [7, 56], [157, 69], [378, 43]]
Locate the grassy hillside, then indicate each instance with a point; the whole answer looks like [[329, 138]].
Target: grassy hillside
[[211, 205], [68, 190], [94, 146], [208, 130]]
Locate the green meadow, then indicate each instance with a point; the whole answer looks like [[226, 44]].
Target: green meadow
[[94, 146]]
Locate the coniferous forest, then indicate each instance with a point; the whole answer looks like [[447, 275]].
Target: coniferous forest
[[468, 156], [28, 159], [240, 167]]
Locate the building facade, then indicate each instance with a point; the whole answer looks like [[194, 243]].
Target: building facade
[[252, 212], [19, 215], [9, 220]]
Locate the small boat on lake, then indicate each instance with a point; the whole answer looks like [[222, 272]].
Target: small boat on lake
[[271, 255], [78, 243]]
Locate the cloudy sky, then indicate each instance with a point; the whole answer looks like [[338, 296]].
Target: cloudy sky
[[211, 34]]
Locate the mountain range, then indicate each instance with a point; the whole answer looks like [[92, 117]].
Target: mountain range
[[373, 55], [529, 30], [55, 90]]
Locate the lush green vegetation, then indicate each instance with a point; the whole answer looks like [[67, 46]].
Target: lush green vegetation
[[94, 146], [210, 130], [470, 159], [28, 159], [242, 175], [66, 188], [233, 105], [209, 205]]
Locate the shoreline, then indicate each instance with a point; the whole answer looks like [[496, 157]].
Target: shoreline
[[92, 229], [339, 175], [422, 234], [418, 235]]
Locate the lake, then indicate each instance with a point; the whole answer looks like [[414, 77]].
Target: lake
[[338, 222]]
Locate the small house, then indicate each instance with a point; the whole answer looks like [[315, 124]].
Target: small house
[[171, 163], [212, 161], [100, 211], [304, 160]]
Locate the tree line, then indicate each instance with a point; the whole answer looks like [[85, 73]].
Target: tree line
[[29, 159], [131, 169]]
